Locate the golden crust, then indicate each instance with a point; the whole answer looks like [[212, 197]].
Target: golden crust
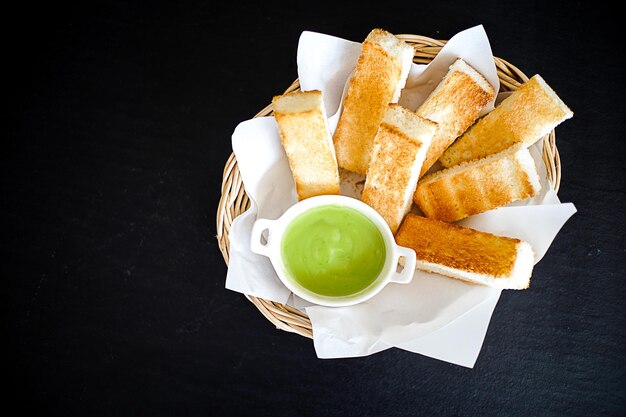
[[477, 186], [529, 113], [371, 88], [455, 104], [389, 174], [307, 143], [396, 160], [459, 248]]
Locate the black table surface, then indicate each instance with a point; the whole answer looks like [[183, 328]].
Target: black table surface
[[118, 128]]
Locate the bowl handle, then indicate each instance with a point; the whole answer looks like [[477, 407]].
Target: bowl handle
[[258, 243], [404, 268]]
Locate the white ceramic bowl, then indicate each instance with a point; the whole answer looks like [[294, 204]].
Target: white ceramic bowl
[[399, 263]]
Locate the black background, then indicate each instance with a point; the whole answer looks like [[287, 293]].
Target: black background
[[116, 133]]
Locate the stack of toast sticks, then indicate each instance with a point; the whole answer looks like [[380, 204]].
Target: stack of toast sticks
[[485, 159]]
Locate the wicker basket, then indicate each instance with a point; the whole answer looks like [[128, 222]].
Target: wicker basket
[[234, 200]]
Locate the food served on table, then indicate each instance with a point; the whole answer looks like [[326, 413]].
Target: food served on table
[[485, 158]]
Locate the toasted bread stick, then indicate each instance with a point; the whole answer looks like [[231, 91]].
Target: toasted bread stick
[[524, 117], [476, 186], [304, 133], [379, 76], [397, 157], [455, 104], [467, 254]]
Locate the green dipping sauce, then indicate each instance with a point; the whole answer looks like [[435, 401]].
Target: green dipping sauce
[[333, 250]]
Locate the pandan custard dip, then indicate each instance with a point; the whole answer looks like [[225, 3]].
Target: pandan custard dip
[[333, 250]]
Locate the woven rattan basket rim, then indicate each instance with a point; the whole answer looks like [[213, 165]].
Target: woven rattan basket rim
[[234, 200]]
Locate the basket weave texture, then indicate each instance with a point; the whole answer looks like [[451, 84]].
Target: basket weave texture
[[234, 200]]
